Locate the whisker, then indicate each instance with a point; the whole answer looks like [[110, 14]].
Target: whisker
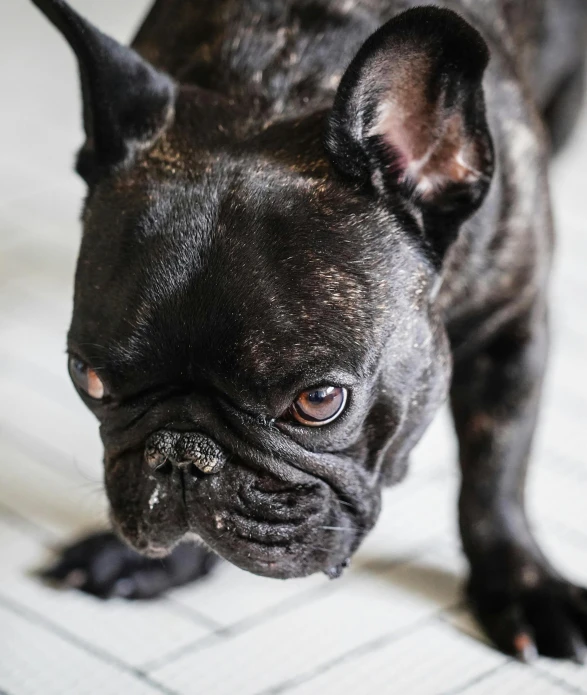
[[319, 547], [345, 504]]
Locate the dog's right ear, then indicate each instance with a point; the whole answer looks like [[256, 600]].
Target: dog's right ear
[[126, 102]]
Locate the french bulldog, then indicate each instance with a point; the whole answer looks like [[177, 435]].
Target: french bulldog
[[308, 224]]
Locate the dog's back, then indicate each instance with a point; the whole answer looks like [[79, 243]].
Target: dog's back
[[290, 54]]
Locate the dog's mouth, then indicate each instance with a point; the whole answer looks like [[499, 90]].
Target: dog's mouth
[[252, 518], [274, 527]]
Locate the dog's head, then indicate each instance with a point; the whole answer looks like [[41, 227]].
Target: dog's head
[[254, 321]]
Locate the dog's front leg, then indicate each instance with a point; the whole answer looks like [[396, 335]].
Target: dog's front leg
[[102, 565], [525, 606]]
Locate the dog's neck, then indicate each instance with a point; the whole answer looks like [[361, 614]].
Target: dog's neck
[[282, 59], [285, 58]]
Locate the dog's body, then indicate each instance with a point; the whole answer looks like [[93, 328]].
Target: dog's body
[[316, 207]]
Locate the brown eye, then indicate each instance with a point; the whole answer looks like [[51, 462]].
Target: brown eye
[[86, 378], [316, 407]]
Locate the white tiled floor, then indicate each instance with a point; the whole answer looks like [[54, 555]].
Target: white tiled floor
[[394, 623]]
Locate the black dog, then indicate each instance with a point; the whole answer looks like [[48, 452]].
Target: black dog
[[308, 221]]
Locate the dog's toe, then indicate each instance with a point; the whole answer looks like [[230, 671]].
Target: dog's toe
[[550, 620]]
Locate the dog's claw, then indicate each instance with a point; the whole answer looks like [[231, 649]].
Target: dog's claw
[[525, 649], [548, 620], [102, 565]]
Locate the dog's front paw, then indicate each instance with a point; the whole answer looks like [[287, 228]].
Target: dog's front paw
[[549, 619], [104, 566]]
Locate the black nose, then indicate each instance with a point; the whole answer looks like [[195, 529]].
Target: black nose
[[182, 450]]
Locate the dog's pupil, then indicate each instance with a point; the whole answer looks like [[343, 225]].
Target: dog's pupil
[[319, 396]]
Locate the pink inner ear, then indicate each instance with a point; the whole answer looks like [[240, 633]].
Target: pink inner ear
[[430, 147]]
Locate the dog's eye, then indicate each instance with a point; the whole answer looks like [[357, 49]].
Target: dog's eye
[[316, 407], [86, 378]]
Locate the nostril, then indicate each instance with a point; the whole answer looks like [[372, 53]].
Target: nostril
[[201, 451], [160, 448], [183, 450]]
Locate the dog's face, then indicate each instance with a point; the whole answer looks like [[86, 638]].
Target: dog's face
[[279, 311], [254, 323]]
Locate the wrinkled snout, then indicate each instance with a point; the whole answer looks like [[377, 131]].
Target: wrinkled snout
[[278, 523], [183, 450]]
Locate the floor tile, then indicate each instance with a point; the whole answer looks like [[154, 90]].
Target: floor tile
[[359, 609], [62, 502], [234, 597], [36, 659], [516, 679], [427, 661], [133, 633]]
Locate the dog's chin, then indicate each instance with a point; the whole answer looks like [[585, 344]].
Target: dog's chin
[[265, 548], [266, 525], [298, 559], [269, 526]]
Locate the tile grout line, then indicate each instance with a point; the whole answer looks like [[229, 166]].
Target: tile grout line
[[230, 631], [355, 653], [266, 615], [50, 541], [479, 678], [178, 607], [32, 616], [537, 669], [239, 627], [556, 680]]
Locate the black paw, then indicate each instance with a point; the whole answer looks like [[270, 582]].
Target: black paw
[[102, 565], [549, 619]]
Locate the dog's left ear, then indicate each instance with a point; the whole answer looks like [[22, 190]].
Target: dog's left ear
[[126, 101], [409, 118]]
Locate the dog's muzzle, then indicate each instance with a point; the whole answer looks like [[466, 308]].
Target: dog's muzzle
[[183, 450]]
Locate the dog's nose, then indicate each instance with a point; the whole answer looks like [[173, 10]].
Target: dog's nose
[[183, 450]]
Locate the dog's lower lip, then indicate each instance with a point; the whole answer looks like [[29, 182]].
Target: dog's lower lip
[[259, 558]]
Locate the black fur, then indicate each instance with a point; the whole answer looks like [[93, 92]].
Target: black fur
[[322, 192], [126, 102]]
